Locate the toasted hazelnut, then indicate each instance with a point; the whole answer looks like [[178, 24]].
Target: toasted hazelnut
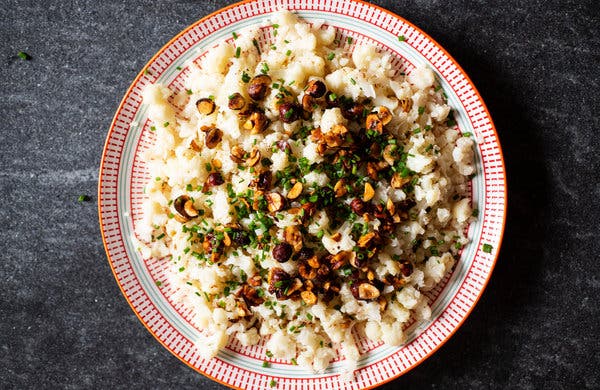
[[226, 239], [369, 192], [213, 137], [366, 239], [358, 206], [254, 157], [185, 208], [237, 154], [382, 303], [384, 115], [374, 123], [323, 271], [313, 262], [205, 106], [309, 103], [406, 104], [264, 180], [353, 111], [276, 275], [365, 290], [315, 88], [255, 280], [236, 101], [398, 181], [309, 285], [292, 235], [308, 297], [357, 261], [259, 87], [275, 202], [282, 252], [257, 122], [340, 188], [250, 295], [259, 197], [306, 272], [370, 275], [295, 191], [340, 259], [289, 112], [215, 179], [336, 237]]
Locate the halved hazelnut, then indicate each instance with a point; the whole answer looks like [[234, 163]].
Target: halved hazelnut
[[365, 291], [259, 87], [372, 171], [406, 104], [237, 154], [295, 191], [398, 181], [315, 88], [250, 295], [406, 268], [313, 262], [353, 111], [374, 123], [184, 206], [382, 303], [340, 259], [358, 206], [205, 106], [308, 297], [309, 103], [340, 188], [369, 192], [384, 114], [236, 101], [257, 122], [213, 137], [275, 202], [254, 158], [255, 280], [241, 309], [292, 235]]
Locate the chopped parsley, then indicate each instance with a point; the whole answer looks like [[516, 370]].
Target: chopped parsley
[[265, 68], [24, 56], [349, 40], [238, 51], [401, 38], [245, 77], [273, 383], [330, 56], [83, 198], [487, 248]]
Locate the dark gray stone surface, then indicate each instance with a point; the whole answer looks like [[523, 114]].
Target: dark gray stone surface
[[64, 323]]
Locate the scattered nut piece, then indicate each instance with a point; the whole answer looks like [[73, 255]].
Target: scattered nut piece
[[369, 192], [315, 88], [388, 154], [236, 101], [391, 207], [292, 235], [257, 122], [308, 297], [275, 202], [366, 291], [237, 154], [205, 106], [295, 191], [384, 115], [406, 104], [398, 181], [195, 146], [213, 137], [254, 158], [366, 239], [374, 123], [340, 188], [184, 206], [259, 87]]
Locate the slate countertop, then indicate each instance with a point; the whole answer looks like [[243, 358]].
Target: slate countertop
[[64, 323]]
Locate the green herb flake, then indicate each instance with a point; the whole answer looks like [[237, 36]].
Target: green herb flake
[[309, 316], [330, 56], [238, 51], [287, 53], [158, 283], [83, 198], [401, 38], [487, 248], [352, 81], [294, 362], [178, 67], [255, 43], [189, 91], [245, 77], [421, 110], [265, 68], [265, 364], [235, 36], [275, 25], [166, 124], [349, 40], [269, 354], [273, 383], [152, 128], [24, 56]]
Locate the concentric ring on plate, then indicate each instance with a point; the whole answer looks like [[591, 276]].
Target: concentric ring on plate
[[123, 174]]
